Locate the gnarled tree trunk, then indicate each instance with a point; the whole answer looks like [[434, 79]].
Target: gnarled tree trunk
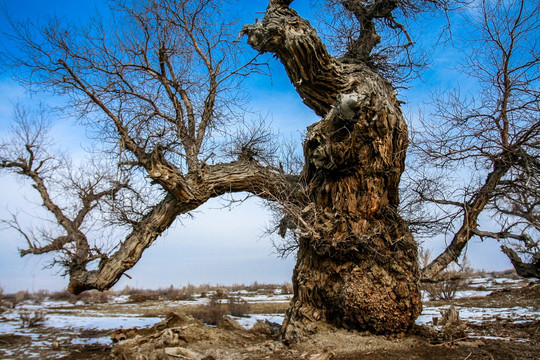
[[358, 266]]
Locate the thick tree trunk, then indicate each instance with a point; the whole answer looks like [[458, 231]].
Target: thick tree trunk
[[360, 270], [358, 267]]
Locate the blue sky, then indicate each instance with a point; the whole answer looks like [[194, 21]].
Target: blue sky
[[218, 245]]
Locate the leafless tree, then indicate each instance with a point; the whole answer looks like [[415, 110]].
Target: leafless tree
[[69, 195], [160, 84], [478, 153], [356, 260]]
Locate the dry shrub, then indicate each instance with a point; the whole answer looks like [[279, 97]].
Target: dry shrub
[[508, 274], [286, 288], [21, 296], [450, 282], [94, 297], [88, 297], [127, 290], [221, 293], [136, 298], [268, 289], [63, 295], [40, 295], [179, 296], [32, 319], [238, 306], [442, 290], [173, 294], [212, 312], [14, 299]]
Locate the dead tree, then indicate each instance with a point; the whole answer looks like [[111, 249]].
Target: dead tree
[[478, 154], [357, 261], [155, 89]]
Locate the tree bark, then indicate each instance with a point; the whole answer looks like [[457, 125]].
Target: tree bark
[[358, 267], [526, 270]]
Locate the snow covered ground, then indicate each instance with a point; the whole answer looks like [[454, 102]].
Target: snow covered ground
[[67, 323]]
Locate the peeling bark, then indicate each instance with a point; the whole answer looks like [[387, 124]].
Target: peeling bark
[[359, 268]]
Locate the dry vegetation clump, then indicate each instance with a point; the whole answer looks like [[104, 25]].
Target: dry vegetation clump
[[169, 293], [447, 287], [62, 295], [87, 297], [507, 274], [174, 294], [32, 319], [219, 306], [190, 292], [455, 278], [12, 300], [238, 306], [95, 297], [137, 298]]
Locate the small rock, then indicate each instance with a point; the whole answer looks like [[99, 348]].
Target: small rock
[[228, 323], [183, 353], [326, 355]]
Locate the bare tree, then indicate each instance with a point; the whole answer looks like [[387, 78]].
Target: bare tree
[[357, 261], [156, 83], [478, 153], [163, 83], [29, 152]]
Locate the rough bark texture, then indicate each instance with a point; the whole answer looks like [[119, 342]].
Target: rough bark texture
[[357, 268], [526, 270]]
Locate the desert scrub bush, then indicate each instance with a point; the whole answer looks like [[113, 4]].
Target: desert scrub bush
[[217, 307], [238, 306], [94, 297], [444, 289], [136, 298], [286, 288], [17, 298], [32, 319], [220, 293], [63, 295], [507, 274], [127, 290], [174, 294], [40, 296], [455, 278], [210, 313], [449, 283]]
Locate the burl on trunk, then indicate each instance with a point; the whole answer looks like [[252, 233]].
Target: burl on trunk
[[358, 269]]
